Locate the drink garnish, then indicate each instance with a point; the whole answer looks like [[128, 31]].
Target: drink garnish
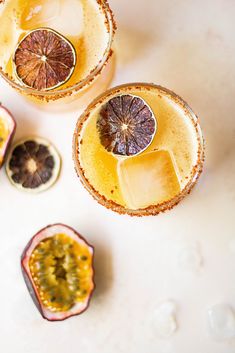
[[126, 125], [44, 59]]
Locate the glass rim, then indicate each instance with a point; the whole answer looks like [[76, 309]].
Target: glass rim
[[111, 27], [152, 209]]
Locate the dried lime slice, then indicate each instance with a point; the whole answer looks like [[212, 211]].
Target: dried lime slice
[[126, 125], [44, 59], [33, 165]]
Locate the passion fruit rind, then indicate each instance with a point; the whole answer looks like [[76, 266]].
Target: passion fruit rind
[[6, 114], [45, 234]]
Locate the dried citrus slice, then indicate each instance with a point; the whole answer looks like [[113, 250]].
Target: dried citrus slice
[[57, 266], [7, 130], [33, 165], [44, 59], [126, 125]]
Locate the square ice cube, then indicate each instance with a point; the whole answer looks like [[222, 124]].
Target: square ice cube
[[63, 16], [38, 13], [148, 179]]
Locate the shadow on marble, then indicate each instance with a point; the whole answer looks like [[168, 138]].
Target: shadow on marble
[[103, 270], [131, 44]]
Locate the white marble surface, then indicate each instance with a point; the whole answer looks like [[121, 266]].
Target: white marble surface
[[187, 46]]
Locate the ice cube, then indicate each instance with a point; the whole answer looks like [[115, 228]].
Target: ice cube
[[164, 319], [148, 179], [70, 19], [64, 16], [190, 258], [221, 321], [39, 13]]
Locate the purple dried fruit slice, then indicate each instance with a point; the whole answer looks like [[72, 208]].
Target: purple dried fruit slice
[[126, 125], [44, 60], [7, 130], [57, 265], [33, 165]]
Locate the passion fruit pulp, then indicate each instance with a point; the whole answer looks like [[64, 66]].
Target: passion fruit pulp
[[7, 130], [57, 265]]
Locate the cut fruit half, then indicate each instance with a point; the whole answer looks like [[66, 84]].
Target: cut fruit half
[[57, 266], [7, 130], [44, 59], [33, 165]]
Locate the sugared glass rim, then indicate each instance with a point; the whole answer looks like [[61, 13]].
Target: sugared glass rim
[[153, 209], [56, 94]]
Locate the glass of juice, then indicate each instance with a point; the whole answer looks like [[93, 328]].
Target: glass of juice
[[138, 149], [58, 53]]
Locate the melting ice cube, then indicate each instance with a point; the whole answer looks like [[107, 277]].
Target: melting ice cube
[[64, 16], [164, 320], [190, 258], [148, 179], [38, 13], [221, 322]]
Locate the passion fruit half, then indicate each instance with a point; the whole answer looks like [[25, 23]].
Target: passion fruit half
[[7, 130], [57, 266]]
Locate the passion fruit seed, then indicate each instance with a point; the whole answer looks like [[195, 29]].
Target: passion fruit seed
[[126, 125], [60, 268], [44, 59], [33, 165]]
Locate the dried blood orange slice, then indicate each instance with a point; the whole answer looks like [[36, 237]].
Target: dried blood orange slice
[[7, 130], [57, 266], [44, 59], [33, 165], [126, 125]]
